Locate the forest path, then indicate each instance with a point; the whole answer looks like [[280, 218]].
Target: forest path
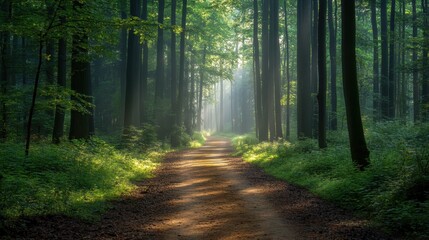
[[205, 193], [215, 201]]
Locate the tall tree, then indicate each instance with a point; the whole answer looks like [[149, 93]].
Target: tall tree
[[256, 68], [287, 75], [263, 131], [304, 103], [58, 131], [314, 65], [375, 63], [322, 74], [132, 89], [425, 64], [332, 22], [80, 79], [384, 81], [392, 61], [416, 84], [359, 150], [275, 66], [182, 85], [175, 140]]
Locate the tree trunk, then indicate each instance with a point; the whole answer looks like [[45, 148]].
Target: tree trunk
[[359, 150], [304, 103], [384, 85], [257, 68], [322, 74], [182, 84], [263, 131], [132, 89], [332, 21], [287, 73], [375, 66], [425, 64], [392, 67], [80, 82], [58, 131], [416, 83], [275, 58], [314, 67]]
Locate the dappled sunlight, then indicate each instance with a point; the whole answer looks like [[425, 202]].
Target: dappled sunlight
[[216, 202]]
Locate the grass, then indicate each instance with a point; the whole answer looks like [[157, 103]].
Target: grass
[[392, 192], [73, 179]]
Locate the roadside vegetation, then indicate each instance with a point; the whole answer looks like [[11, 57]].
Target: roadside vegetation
[[76, 178], [393, 192]]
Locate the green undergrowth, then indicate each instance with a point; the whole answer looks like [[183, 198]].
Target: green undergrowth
[[74, 178], [393, 192]]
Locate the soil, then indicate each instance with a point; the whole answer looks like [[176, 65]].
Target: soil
[[207, 194]]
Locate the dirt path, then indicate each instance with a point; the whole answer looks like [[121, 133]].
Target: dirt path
[[206, 194]]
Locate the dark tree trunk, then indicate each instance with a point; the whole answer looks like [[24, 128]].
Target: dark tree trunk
[[287, 73], [257, 68], [263, 130], [416, 84], [304, 103], [375, 66], [392, 67], [332, 21], [384, 81], [359, 150], [33, 100], [144, 71], [58, 131], [175, 142], [425, 64], [132, 89], [182, 89], [80, 82], [322, 74], [314, 66], [275, 58]]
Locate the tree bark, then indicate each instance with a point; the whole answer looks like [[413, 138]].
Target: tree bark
[[275, 58], [257, 68], [332, 22], [80, 81], [392, 61], [58, 131], [416, 83], [375, 66], [384, 81], [359, 150], [304, 103], [182, 84], [132, 89], [263, 131], [322, 74]]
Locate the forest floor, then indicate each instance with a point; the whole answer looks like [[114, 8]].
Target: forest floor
[[205, 193]]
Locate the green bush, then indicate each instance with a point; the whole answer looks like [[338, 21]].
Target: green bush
[[393, 191], [74, 178]]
